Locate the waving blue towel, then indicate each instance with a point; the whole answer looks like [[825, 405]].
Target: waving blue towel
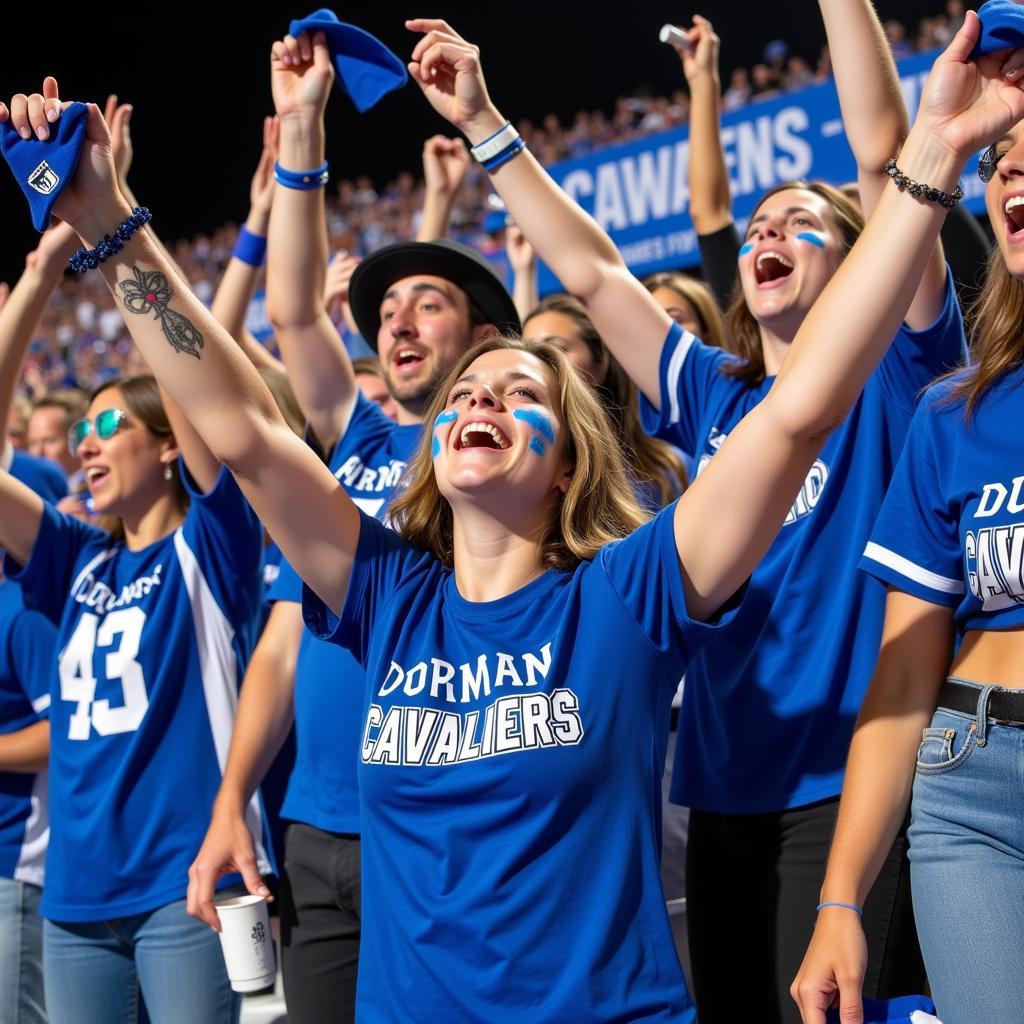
[[1002, 27], [42, 169], [889, 1011], [367, 69]]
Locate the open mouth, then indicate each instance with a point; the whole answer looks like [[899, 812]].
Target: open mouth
[[771, 266], [481, 435], [1014, 210], [404, 357], [95, 475]]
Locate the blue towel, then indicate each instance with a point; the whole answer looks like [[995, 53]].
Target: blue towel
[[889, 1011], [42, 169], [1002, 27], [367, 69]]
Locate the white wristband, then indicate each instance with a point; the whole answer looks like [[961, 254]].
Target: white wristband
[[501, 139]]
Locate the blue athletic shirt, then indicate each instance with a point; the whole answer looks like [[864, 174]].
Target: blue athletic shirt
[[46, 478], [28, 653], [951, 529], [368, 461], [510, 769], [153, 644], [770, 706]]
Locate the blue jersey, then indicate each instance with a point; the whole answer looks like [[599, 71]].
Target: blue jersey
[[368, 461], [769, 709], [510, 765], [28, 657], [152, 645], [951, 530], [46, 478]]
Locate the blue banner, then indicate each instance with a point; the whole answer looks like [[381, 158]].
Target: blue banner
[[639, 192]]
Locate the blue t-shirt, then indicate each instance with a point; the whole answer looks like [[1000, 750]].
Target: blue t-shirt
[[510, 765], [46, 478], [770, 706], [28, 658], [153, 644], [951, 529], [368, 461]]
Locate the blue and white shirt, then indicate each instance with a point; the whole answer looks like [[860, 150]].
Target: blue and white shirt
[[510, 763], [152, 646], [951, 529], [28, 658], [770, 706], [368, 461]]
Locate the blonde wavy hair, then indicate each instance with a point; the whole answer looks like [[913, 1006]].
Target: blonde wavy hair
[[599, 505]]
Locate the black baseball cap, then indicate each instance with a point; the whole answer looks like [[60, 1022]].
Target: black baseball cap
[[458, 263]]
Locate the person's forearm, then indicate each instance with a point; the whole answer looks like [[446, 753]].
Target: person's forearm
[[437, 215], [874, 115], [525, 294], [265, 709], [710, 198], [27, 750]]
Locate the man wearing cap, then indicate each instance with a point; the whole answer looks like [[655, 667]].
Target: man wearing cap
[[421, 306]]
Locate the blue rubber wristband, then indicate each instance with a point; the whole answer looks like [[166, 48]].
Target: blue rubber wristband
[[250, 248], [303, 180], [504, 156], [847, 906]]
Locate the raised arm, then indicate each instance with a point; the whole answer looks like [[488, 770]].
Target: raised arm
[[445, 165], [875, 122], [447, 69], [319, 368], [215, 385], [914, 657], [523, 261], [242, 274], [964, 105]]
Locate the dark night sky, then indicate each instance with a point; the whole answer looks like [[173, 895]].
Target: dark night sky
[[197, 75]]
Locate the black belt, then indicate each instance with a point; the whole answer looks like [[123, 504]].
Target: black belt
[[1004, 706]]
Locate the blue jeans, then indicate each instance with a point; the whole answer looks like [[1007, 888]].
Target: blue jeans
[[162, 967], [21, 954], [967, 864]]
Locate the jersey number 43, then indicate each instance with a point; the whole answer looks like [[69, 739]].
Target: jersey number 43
[[78, 683]]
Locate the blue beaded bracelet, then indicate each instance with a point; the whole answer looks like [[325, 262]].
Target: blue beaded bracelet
[[304, 180], [847, 906], [513, 149], [250, 248], [89, 259]]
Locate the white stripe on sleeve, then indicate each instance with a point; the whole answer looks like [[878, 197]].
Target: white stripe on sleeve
[[675, 369], [912, 570]]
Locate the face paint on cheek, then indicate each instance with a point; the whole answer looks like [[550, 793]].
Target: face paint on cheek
[[745, 248], [542, 430], [443, 419], [813, 238]]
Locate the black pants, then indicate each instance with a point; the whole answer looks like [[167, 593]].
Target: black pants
[[320, 925], [753, 881]]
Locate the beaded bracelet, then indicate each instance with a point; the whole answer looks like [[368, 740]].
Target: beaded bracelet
[[921, 191], [302, 180], [250, 248], [89, 259], [845, 906]]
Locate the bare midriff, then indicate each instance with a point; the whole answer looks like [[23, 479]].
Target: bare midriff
[[992, 656]]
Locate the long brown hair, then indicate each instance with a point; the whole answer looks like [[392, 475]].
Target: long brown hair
[[142, 399], [650, 460], [997, 336], [598, 506], [697, 295], [743, 330]]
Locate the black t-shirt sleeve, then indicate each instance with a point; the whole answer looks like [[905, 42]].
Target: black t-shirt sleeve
[[718, 252]]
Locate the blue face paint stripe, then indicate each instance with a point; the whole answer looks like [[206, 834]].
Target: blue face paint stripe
[[435, 448], [812, 237], [445, 417], [745, 248], [537, 445], [538, 421]]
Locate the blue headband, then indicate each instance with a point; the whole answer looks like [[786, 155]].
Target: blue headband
[[367, 69], [889, 1011], [1002, 27], [42, 169]]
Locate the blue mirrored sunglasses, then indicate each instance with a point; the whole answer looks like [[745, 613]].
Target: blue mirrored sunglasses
[[106, 425]]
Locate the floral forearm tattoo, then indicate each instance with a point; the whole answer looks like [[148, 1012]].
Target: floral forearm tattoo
[[149, 290]]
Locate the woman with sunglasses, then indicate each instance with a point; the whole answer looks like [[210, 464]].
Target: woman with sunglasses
[[156, 619], [942, 725], [520, 656]]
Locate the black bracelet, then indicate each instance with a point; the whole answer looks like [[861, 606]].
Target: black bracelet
[[89, 259], [921, 191]]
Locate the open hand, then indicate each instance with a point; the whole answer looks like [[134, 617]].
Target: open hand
[[261, 191], [119, 117]]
